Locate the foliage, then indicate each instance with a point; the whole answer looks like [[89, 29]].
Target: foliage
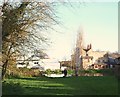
[[104, 72], [70, 72], [90, 72], [48, 71], [22, 72], [109, 72], [56, 71]]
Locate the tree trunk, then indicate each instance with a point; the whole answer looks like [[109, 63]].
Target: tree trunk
[[4, 67]]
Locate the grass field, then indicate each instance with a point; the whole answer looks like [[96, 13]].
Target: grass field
[[101, 85]]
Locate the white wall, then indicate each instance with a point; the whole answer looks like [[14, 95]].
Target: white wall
[[50, 64]]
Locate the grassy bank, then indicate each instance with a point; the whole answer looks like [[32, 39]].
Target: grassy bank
[[104, 85]]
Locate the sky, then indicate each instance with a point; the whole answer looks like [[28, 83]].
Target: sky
[[98, 20]]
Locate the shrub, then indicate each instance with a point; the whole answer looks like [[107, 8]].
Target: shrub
[[71, 72], [48, 71], [58, 71], [22, 72]]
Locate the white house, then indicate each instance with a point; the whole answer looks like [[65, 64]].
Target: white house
[[31, 62], [36, 62], [50, 64]]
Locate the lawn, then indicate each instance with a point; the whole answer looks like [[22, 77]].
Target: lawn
[[99, 85]]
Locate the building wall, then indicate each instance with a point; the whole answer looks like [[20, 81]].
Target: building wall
[[87, 63], [95, 54]]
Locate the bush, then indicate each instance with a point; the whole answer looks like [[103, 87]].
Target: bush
[[22, 72], [57, 71], [71, 72], [48, 71]]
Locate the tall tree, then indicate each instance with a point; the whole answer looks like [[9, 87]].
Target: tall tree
[[79, 48], [23, 24]]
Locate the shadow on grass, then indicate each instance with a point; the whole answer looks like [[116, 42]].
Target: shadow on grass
[[47, 91], [26, 78], [12, 88], [62, 86], [99, 85]]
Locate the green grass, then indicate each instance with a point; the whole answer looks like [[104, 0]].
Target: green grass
[[105, 85]]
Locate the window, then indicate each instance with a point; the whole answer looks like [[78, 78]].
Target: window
[[35, 62], [102, 66], [95, 66]]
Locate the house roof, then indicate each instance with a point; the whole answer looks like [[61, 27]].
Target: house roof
[[114, 55]]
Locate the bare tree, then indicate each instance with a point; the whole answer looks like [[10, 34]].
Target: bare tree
[[23, 26], [78, 51]]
